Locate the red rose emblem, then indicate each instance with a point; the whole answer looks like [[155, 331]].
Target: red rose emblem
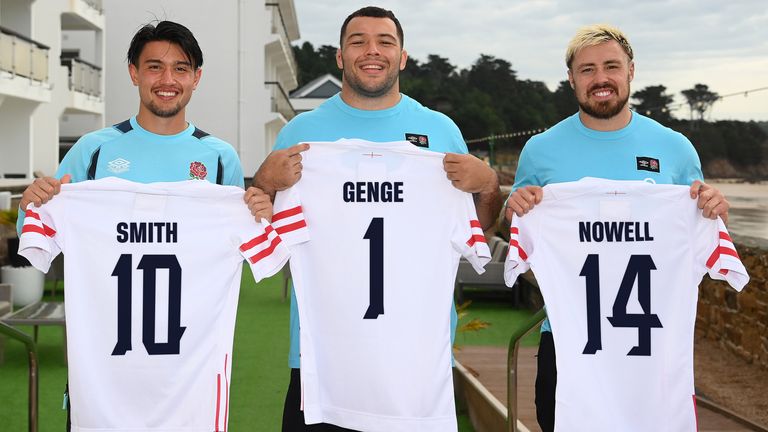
[[197, 171]]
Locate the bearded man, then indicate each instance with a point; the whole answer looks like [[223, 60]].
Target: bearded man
[[604, 139]]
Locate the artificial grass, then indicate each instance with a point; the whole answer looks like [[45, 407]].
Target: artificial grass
[[503, 317], [260, 361], [260, 372], [14, 381]]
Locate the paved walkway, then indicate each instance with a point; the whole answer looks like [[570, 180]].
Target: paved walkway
[[489, 365]]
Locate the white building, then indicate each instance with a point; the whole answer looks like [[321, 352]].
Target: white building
[[51, 52], [248, 66]]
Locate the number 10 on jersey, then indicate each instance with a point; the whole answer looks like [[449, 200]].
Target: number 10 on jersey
[[149, 264]]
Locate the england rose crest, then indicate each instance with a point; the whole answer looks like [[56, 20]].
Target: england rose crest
[[197, 171]]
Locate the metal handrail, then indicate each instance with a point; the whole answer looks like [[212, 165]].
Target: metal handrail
[[18, 35], [24, 338], [514, 344]]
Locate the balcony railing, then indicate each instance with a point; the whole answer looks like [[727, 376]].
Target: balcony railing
[[278, 28], [22, 56], [281, 103], [83, 76]]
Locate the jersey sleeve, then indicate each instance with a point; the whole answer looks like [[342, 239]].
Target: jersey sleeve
[[717, 251], [38, 241], [520, 247], [263, 249], [469, 239], [288, 218]]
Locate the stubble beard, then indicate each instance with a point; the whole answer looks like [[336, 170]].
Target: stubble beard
[[369, 91], [164, 113]]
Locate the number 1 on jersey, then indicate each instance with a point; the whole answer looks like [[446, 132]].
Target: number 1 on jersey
[[375, 234]]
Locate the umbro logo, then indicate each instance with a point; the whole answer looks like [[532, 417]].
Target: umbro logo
[[645, 163], [118, 166], [417, 139]]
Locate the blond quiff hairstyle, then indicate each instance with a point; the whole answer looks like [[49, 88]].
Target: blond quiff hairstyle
[[594, 35]]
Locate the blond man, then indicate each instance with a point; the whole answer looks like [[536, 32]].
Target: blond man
[[603, 139]]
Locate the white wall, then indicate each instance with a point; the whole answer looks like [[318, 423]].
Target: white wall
[[45, 120], [16, 124], [85, 41], [255, 104], [16, 15]]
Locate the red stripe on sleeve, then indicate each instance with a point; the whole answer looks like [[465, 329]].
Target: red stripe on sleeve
[[475, 224], [291, 227], [520, 251], [266, 252], [32, 214], [713, 258], [728, 251], [724, 236], [218, 399], [514, 230], [720, 250], [286, 213], [476, 238], [257, 240], [32, 228], [44, 230]]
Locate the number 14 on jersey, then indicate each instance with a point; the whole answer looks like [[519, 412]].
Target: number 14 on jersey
[[639, 268]]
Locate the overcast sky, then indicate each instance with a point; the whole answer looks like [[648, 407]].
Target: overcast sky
[[723, 44]]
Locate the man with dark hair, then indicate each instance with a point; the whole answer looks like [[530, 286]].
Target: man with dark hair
[[371, 107], [158, 144], [165, 63], [372, 12], [166, 31]]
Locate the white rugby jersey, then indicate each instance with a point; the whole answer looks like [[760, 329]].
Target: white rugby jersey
[[376, 231], [152, 273], [619, 264]]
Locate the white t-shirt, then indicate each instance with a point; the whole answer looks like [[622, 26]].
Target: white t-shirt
[[376, 232], [152, 274], [619, 264]]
